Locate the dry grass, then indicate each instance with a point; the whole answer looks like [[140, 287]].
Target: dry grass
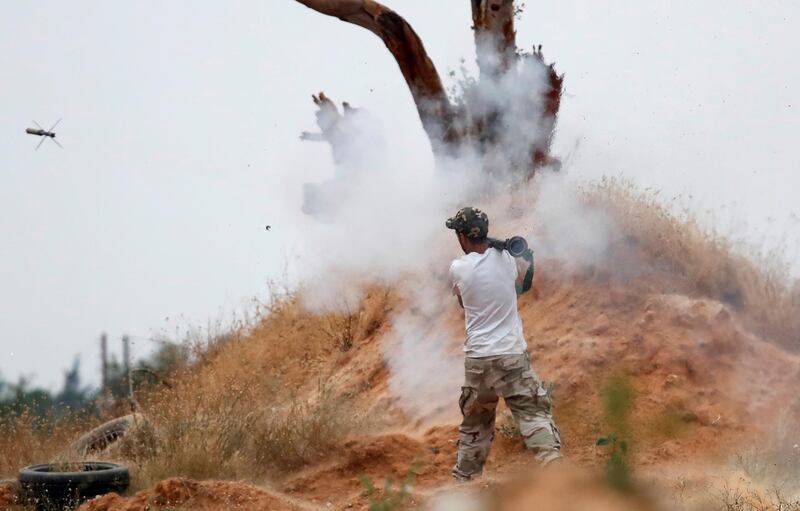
[[238, 432], [289, 342], [737, 499], [27, 440], [252, 406], [776, 460], [702, 262], [260, 406]]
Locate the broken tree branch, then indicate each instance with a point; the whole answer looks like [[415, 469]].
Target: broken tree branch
[[552, 102], [435, 110]]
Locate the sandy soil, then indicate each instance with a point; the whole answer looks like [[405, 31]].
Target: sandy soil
[[700, 378]]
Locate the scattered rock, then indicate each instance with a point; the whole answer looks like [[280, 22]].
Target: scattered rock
[[647, 319], [601, 325]]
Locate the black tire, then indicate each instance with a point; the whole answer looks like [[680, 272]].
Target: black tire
[[106, 434], [65, 485]]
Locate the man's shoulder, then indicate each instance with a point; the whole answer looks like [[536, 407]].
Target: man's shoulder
[[499, 255], [509, 260], [455, 266], [461, 265], [464, 260]]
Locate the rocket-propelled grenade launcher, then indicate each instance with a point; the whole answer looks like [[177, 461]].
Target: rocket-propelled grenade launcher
[[41, 132], [516, 245]]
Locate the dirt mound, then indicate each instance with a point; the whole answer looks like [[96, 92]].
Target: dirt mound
[[687, 339], [207, 495], [394, 457], [8, 494], [699, 374], [423, 463]]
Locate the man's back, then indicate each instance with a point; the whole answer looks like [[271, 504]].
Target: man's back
[[486, 283]]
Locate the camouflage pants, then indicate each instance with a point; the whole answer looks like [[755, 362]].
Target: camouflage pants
[[487, 380]]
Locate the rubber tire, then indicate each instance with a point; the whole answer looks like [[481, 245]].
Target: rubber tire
[[105, 434], [48, 489]]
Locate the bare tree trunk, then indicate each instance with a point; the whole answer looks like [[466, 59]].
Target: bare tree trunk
[[435, 110], [495, 37], [497, 56]]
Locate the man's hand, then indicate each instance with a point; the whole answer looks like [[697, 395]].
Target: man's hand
[[524, 272]]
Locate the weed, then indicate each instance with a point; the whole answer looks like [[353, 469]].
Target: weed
[[345, 327], [617, 471], [341, 329], [618, 397], [673, 421], [390, 499], [617, 402]]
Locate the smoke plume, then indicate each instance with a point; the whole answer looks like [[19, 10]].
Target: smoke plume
[[380, 220]]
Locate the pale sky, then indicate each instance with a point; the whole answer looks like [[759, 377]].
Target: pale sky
[[180, 132]]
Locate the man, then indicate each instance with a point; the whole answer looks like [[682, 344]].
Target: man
[[487, 281]]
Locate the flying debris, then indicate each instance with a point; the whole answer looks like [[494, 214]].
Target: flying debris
[[41, 132]]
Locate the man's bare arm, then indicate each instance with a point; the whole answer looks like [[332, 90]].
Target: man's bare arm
[[457, 292]]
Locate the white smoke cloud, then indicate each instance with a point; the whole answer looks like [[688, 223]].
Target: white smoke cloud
[[382, 222], [568, 230], [425, 370]]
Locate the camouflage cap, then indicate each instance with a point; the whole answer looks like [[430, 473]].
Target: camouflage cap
[[470, 221]]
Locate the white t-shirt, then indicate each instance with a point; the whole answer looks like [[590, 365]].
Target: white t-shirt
[[487, 283]]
